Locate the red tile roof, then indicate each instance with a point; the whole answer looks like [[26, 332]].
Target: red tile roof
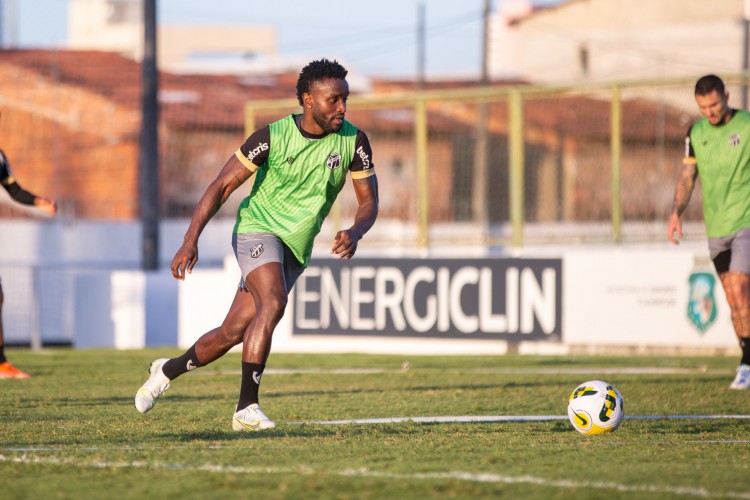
[[206, 100], [217, 101]]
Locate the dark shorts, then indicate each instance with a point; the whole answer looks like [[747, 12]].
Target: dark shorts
[[731, 253], [256, 249]]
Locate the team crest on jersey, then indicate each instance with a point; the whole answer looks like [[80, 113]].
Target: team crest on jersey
[[734, 140], [256, 251], [334, 161]]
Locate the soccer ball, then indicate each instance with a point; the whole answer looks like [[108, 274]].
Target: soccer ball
[[595, 407]]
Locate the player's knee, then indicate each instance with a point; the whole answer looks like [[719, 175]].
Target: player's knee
[[234, 337], [274, 305], [737, 289], [231, 333], [740, 311]]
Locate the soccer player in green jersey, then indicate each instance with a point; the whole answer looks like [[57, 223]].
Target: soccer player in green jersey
[[300, 164], [23, 197], [717, 148]]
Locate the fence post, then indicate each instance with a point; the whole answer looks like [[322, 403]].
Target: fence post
[[616, 145], [36, 310], [517, 159], [420, 132], [249, 119]]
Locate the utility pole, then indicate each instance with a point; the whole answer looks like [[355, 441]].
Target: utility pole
[[9, 24], [2, 24], [480, 184], [148, 174], [421, 45]]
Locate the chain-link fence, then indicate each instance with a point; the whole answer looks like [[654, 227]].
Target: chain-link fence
[[519, 165], [500, 165]]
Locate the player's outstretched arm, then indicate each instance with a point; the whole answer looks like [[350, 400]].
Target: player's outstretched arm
[[684, 191], [24, 197], [345, 242], [232, 176], [18, 193], [46, 205]]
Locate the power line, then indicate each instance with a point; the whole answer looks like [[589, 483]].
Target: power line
[[379, 41]]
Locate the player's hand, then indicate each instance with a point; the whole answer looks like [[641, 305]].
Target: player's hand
[[184, 261], [345, 244], [46, 205], [674, 229]]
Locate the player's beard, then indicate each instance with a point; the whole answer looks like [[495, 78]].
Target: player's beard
[[724, 117], [327, 123]]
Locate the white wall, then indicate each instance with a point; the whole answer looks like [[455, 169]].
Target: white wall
[[80, 283], [633, 39], [639, 298], [51, 268]]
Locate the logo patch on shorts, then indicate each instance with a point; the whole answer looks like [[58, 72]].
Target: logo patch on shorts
[[334, 161], [256, 251]]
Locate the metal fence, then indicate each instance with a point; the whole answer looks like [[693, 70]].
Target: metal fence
[[523, 165], [503, 165]]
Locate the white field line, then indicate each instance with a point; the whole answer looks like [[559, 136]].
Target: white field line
[[487, 477], [721, 441], [508, 371], [444, 419], [502, 418]]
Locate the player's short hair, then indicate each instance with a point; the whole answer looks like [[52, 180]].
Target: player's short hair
[[316, 71], [707, 84]]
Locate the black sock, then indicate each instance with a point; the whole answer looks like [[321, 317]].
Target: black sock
[[251, 374], [182, 364], [2, 354], [745, 345]]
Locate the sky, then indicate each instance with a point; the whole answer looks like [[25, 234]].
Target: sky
[[377, 38]]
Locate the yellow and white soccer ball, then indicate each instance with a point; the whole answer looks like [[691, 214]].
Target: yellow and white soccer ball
[[595, 407]]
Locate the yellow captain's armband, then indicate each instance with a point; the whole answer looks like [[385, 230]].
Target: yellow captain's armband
[[243, 159], [362, 174]]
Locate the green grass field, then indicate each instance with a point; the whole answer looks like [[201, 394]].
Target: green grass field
[[71, 431]]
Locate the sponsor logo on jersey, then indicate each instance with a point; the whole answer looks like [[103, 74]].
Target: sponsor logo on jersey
[[263, 146], [256, 251], [734, 140], [334, 161], [364, 157]]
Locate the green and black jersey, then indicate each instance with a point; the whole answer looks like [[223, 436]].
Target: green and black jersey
[[298, 177], [722, 156]]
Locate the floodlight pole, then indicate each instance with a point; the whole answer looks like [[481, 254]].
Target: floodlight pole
[[421, 45], [148, 174]]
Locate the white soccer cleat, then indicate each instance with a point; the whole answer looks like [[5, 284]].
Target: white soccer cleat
[[742, 379], [251, 418], [157, 383]]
